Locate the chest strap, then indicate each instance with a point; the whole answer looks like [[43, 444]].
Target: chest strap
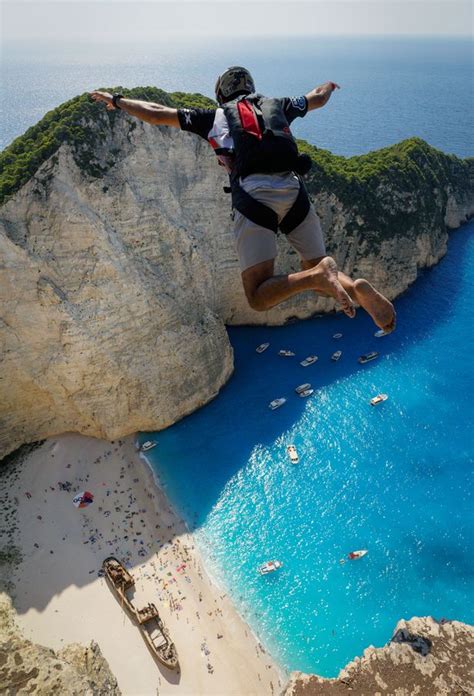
[[264, 216]]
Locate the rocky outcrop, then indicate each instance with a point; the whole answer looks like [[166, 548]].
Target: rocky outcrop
[[424, 657], [118, 272], [27, 668]]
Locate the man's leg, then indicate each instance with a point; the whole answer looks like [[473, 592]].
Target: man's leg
[[362, 292], [264, 290]]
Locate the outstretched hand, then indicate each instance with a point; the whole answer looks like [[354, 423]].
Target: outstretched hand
[[105, 97]]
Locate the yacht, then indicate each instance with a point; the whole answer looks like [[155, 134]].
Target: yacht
[[367, 357], [286, 353], [262, 347], [269, 567], [378, 399], [148, 445], [335, 356], [309, 360], [303, 387], [306, 392], [276, 403]]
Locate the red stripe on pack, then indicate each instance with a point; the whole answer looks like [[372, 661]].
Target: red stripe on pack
[[248, 119]]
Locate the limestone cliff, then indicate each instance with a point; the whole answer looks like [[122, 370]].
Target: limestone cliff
[[424, 657], [118, 271], [27, 668]]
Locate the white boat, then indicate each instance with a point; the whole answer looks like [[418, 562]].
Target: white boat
[[148, 445], [354, 555], [286, 353], [276, 403], [293, 454], [306, 392], [335, 356], [378, 399], [380, 333], [269, 567], [309, 360], [303, 387], [337, 335], [262, 347], [367, 357]]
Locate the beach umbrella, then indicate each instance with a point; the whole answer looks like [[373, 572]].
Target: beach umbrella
[[82, 500]]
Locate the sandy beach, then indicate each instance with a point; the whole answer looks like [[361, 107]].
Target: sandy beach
[[60, 598]]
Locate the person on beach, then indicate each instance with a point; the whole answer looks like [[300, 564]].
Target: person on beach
[[251, 137]]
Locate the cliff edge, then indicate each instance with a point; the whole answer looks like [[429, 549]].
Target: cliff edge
[[424, 657], [118, 272]]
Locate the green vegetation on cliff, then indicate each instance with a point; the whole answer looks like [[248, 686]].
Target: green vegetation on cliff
[[71, 123], [387, 192]]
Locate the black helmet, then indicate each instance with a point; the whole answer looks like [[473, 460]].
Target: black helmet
[[232, 83]]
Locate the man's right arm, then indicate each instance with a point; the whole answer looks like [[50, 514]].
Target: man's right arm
[[156, 114]]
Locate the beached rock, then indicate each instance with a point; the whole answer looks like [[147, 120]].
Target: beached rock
[[424, 657], [27, 668], [119, 274]]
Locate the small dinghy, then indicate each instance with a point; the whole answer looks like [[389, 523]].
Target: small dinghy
[[378, 399], [367, 357], [269, 567], [306, 393], [262, 347], [293, 454], [286, 353], [337, 335], [335, 356], [303, 387], [276, 403], [309, 360], [354, 555]]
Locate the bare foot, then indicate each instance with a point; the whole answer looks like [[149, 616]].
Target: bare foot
[[379, 308], [327, 282]]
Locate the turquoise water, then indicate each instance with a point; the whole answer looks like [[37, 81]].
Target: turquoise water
[[395, 479]]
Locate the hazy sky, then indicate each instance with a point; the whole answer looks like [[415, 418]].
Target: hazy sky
[[120, 20]]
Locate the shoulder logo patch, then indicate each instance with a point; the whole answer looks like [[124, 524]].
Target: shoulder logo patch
[[298, 103]]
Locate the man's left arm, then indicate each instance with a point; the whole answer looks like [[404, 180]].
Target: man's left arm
[[319, 96]]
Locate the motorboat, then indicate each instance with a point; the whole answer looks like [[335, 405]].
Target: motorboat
[[148, 445], [309, 360], [380, 333], [354, 555], [269, 567], [286, 353], [303, 387], [293, 454], [262, 347], [337, 335], [378, 399], [306, 393], [335, 356], [367, 357], [276, 403]]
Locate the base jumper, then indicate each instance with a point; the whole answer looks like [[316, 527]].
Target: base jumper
[[251, 136]]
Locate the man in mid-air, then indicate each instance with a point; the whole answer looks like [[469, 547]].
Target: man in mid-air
[[251, 137]]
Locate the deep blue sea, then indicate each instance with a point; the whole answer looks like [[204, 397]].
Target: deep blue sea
[[395, 479]]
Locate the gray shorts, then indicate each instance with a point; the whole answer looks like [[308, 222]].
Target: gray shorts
[[255, 243]]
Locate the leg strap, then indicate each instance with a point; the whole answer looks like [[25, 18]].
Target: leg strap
[[297, 212], [264, 216]]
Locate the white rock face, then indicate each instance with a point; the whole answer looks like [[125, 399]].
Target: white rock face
[[115, 291]]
